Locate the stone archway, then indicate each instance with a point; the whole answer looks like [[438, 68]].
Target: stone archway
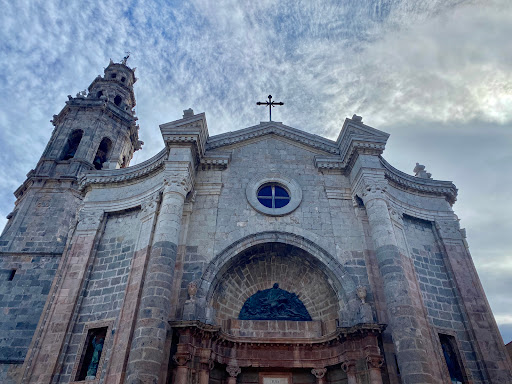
[[320, 280]]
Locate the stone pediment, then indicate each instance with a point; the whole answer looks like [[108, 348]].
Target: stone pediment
[[356, 136], [272, 128]]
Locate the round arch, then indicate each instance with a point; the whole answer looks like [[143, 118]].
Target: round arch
[[335, 274]]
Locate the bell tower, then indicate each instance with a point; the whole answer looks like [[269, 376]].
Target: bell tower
[[96, 130]]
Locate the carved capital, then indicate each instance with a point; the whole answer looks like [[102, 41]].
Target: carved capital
[[373, 189], [182, 358], [89, 220], [149, 205], [233, 371], [396, 215], [319, 372], [179, 182], [449, 229]]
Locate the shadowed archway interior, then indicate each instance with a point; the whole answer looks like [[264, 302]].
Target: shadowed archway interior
[[260, 267]]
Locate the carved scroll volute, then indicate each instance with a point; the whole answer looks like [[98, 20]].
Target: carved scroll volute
[[319, 373], [182, 358], [233, 370], [348, 366], [374, 361]]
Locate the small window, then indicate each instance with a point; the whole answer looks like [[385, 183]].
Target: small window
[[11, 275], [452, 359], [113, 76], [91, 354], [123, 79], [273, 196], [99, 94], [117, 100]]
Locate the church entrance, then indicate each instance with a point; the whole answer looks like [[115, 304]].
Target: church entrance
[[275, 314]]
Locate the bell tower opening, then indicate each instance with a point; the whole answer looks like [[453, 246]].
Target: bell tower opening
[[72, 145], [102, 153]]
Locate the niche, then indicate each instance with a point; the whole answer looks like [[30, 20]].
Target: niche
[[92, 351], [452, 358], [102, 153], [117, 100], [72, 145]]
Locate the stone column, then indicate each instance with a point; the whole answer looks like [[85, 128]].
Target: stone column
[[233, 371], [411, 355], [149, 338], [319, 373], [349, 367], [182, 371], [206, 364], [374, 364]]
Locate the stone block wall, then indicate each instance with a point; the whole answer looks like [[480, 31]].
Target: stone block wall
[[41, 223], [21, 302], [274, 329], [104, 291], [443, 307]]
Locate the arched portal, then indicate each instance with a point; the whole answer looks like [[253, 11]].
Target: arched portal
[[260, 267], [315, 267], [275, 270]]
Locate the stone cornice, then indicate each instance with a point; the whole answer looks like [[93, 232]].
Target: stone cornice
[[275, 128], [416, 184], [329, 162], [215, 161], [129, 174], [341, 333], [83, 103], [191, 130]]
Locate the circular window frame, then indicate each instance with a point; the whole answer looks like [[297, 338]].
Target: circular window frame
[[291, 186]]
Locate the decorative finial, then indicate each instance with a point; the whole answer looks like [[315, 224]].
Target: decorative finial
[[125, 59], [188, 113], [419, 171], [359, 119]]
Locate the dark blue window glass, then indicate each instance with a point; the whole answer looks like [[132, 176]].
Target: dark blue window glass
[[273, 196]]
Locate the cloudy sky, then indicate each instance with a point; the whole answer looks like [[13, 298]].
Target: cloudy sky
[[435, 74]]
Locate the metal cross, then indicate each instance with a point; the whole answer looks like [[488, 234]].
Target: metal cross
[[270, 104]]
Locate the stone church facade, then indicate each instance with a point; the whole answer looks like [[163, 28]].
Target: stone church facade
[[265, 255]]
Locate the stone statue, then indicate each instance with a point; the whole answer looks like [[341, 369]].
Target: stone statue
[[192, 290], [97, 344], [274, 304]]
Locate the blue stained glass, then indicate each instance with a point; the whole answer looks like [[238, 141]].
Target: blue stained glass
[[279, 203], [267, 202], [265, 191], [281, 192]]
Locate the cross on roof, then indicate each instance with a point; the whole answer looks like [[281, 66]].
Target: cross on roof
[[270, 104]]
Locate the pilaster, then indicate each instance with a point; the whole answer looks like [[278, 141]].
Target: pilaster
[[42, 359], [406, 324], [481, 323], [117, 363]]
